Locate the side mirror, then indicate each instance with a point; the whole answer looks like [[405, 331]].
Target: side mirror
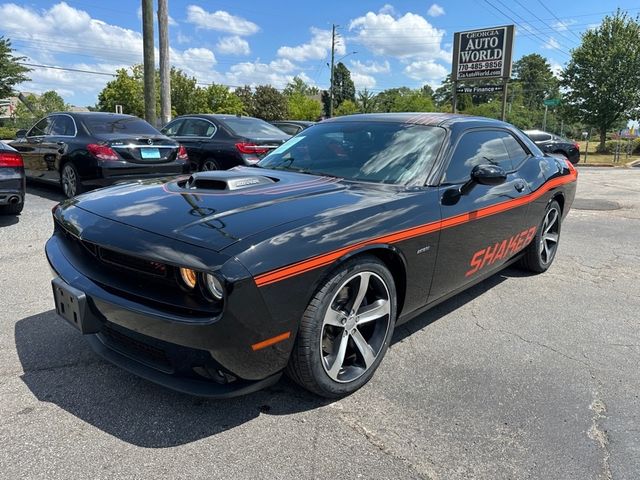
[[486, 174], [21, 133]]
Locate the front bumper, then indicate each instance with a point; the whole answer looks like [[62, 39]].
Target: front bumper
[[205, 357]]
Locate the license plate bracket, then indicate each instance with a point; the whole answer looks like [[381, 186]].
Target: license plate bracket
[[71, 304]]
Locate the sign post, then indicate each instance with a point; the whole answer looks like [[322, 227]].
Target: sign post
[[480, 55]]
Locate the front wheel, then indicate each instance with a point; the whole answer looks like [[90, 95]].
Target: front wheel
[[345, 330], [70, 181], [209, 165], [539, 255]]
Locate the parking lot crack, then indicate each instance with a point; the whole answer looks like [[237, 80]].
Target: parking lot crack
[[380, 445], [599, 435]]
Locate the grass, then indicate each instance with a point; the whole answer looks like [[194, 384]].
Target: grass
[[602, 158]]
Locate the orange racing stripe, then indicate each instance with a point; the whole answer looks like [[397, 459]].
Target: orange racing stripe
[[327, 258]]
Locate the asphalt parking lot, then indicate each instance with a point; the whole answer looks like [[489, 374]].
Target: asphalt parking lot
[[520, 377]]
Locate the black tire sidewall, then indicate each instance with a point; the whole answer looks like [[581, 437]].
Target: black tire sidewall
[[328, 386], [209, 160], [79, 188], [542, 265]]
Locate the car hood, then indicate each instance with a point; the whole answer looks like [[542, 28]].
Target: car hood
[[217, 209]]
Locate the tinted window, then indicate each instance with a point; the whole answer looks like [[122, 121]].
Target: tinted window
[[196, 127], [372, 152], [40, 128], [63, 125], [478, 148], [539, 137], [516, 153], [128, 125], [171, 129], [252, 127], [289, 128]]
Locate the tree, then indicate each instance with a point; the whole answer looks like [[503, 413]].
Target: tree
[[366, 101], [347, 107], [126, 90], [299, 102], [42, 106], [11, 71], [404, 99], [269, 104], [245, 94], [221, 100], [186, 96], [602, 75], [535, 78], [343, 88]]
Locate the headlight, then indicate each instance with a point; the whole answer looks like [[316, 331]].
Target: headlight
[[189, 277], [214, 286]]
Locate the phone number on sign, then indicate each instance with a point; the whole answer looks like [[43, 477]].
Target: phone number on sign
[[464, 67]]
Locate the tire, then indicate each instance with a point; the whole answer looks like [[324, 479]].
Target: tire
[[209, 165], [326, 335], [13, 209], [70, 180], [540, 253]]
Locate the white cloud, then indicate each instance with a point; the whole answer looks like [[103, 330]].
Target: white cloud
[[370, 67], [317, 48], [409, 36], [388, 9], [425, 71], [220, 20], [233, 46], [182, 39], [362, 80], [277, 73], [435, 10], [170, 20], [551, 44], [556, 68], [564, 25]]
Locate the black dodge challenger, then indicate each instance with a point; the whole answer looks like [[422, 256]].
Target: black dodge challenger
[[216, 283]]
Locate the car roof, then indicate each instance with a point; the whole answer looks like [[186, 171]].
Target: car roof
[[419, 118], [100, 115], [305, 123], [216, 116]]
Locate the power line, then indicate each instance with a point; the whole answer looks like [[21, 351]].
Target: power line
[[77, 70], [554, 16]]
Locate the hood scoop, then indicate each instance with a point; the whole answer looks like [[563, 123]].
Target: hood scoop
[[225, 180]]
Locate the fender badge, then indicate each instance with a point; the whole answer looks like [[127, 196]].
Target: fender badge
[[423, 249]]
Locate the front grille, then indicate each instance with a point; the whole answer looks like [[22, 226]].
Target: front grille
[[129, 262], [141, 351]]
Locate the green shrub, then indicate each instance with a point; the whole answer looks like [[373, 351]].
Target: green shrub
[[8, 133]]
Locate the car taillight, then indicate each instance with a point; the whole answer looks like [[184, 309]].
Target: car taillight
[[182, 153], [577, 145], [251, 148], [102, 152], [11, 159]]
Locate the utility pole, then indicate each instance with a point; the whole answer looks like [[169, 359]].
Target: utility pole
[[149, 62], [333, 52], [165, 74]]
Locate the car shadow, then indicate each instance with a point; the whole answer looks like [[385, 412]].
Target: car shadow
[[60, 367], [44, 190], [6, 220]]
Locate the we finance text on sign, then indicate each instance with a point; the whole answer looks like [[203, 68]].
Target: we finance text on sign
[[483, 53]]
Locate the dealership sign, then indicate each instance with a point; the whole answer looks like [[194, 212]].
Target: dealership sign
[[476, 90], [482, 54]]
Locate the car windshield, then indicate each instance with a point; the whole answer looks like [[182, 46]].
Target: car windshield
[[365, 151], [128, 125], [252, 127]]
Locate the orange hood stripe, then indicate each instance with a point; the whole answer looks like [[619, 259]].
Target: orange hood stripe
[[327, 258]]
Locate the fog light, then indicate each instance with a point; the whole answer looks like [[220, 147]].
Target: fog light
[[188, 277], [214, 286]]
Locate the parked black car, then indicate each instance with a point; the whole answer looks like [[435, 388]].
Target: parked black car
[[78, 150], [220, 142], [12, 181], [550, 143], [292, 127]]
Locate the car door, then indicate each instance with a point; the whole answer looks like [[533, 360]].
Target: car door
[[485, 226], [54, 145], [195, 134], [30, 148]]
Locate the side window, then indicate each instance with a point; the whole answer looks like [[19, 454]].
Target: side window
[[196, 127], [477, 148], [40, 128], [517, 154], [289, 129], [171, 129], [63, 125]]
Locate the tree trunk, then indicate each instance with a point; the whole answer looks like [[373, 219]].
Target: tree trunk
[[603, 139]]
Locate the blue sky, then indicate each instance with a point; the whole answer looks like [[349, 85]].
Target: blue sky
[[256, 42]]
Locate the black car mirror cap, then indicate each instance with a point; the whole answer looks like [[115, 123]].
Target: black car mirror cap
[[21, 133], [485, 174]]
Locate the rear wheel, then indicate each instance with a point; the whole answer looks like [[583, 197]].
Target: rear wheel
[[70, 181], [346, 329], [539, 255], [209, 165]]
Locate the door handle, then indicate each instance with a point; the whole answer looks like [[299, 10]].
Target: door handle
[[519, 186]]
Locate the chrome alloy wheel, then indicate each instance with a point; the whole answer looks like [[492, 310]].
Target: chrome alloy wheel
[[355, 327], [209, 166], [550, 235], [69, 181]]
